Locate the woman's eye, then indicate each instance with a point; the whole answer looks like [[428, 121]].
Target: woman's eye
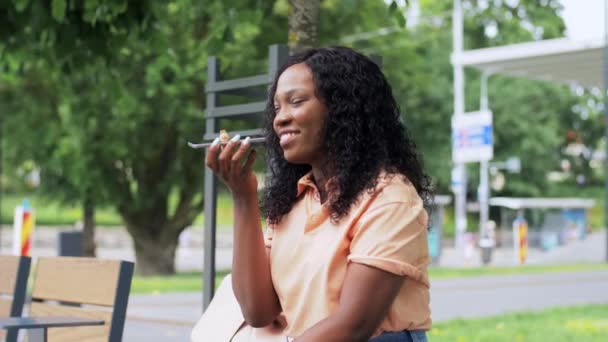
[[296, 101]]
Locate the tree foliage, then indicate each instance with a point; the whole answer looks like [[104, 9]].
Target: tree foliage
[[120, 90], [102, 95]]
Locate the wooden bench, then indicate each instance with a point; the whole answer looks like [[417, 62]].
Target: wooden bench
[[88, 295], [14, 271]]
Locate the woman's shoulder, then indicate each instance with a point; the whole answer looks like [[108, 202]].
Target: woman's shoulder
[[393, 187], [393, 198]]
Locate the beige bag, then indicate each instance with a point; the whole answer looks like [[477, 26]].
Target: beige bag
[[224, 322]]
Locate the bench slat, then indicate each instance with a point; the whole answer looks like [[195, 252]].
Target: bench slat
[[9, 265], [96, 282], [5, 307], [74, 334]]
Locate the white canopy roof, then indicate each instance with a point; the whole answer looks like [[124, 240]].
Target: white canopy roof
[[547, 203], [558, 60]]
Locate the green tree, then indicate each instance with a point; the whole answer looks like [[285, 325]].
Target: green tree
[[525, 120], [119, 86], [582, 131], [126, 93]]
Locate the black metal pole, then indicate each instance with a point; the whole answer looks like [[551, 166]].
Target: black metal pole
[[210, 191]]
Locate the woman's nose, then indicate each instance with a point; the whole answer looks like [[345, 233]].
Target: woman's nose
[[281, 118]]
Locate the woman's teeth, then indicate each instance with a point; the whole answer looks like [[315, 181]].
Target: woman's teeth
[[286, 137]]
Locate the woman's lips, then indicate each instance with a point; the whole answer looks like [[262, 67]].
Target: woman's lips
[[287, 138]]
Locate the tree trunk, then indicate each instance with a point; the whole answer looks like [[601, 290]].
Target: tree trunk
[[146, 212], [155, 256], [303, 24], [88, 230]]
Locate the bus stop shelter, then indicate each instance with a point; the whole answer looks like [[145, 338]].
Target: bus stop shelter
[[562, 219], [556, 60], [581, 63]]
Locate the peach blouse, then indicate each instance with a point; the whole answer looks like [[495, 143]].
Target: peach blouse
[[309, 254]]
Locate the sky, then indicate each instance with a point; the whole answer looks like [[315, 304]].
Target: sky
[[584, 18]]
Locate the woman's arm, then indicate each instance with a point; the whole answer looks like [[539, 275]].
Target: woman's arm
[[366, 296], [251, 280]]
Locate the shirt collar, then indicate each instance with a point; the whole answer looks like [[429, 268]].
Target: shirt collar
[[305, 182]]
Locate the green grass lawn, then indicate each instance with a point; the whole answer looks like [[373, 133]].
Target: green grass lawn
[[50, 213], [450, 272], [192, 281], [181, 282], [587, 323]]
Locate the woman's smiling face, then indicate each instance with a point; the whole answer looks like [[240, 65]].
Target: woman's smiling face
[[300, 116]]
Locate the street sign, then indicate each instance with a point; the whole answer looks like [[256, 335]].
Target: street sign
[[472, 137]]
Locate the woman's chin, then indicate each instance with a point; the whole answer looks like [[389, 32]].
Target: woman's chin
[[293, 158]]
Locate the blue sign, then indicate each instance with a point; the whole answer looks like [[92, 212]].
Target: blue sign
[[472, 137]]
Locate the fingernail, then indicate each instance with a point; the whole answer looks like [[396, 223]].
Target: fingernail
[[215, 142], [236, 138], [246, 141]]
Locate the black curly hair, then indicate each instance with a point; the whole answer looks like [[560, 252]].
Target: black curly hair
[[364, 134]]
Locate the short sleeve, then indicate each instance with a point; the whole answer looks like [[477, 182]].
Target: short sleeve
[[268, 233], [393, 238]]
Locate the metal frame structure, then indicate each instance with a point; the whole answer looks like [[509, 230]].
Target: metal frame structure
[[277, 55], [37, 326], [121, 301], [19, 289]]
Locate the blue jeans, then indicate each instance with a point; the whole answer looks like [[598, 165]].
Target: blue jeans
[[401, 336]]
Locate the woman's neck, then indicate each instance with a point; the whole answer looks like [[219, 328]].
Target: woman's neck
[[321, 174]]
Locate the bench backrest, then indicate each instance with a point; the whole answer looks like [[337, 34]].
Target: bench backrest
[[83, 287], [14, 271]]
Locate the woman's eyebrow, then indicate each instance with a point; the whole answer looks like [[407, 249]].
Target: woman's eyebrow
[[289, 93]]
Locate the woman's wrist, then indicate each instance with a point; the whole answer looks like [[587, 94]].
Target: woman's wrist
[[244, 198]]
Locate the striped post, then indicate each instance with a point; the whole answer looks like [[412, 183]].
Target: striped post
[[23, 225], [520, 239]]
